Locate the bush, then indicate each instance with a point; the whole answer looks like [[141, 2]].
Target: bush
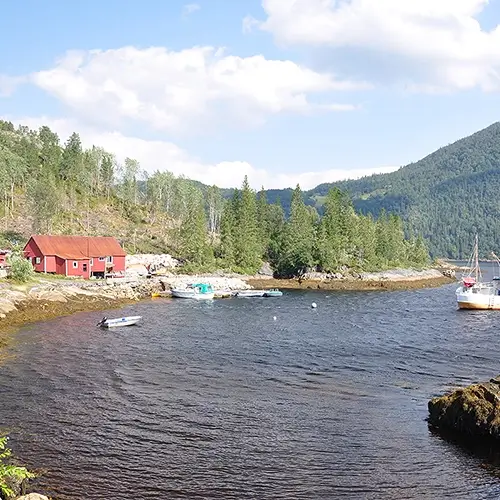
[[10, 473], [21, 269]]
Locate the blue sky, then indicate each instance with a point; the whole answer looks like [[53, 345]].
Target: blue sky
[[284, 91]]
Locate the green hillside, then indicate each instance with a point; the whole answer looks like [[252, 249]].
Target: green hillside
[[50, 187], [447, 196]]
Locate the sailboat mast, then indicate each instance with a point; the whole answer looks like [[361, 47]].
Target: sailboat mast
[[476, 253]]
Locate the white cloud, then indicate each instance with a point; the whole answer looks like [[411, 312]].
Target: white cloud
[[190, 8], [441, 41], [193, 89], [162, 155]]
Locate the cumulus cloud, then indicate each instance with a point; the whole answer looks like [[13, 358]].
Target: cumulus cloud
[[189, 90], [162, 155], [441, 41]]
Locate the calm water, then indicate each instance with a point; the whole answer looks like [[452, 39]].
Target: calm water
[[221, 401]]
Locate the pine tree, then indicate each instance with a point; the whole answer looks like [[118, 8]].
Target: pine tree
[[298, 242], [194, 246], [71, 161], [248, 248]]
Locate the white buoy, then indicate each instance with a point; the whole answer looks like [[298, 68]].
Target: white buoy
[[274, 317], [313, 305]]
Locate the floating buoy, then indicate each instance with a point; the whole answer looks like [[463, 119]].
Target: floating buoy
[[313, 305], [274, 317]]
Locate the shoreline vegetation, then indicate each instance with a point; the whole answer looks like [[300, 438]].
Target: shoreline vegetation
[[47, 298]]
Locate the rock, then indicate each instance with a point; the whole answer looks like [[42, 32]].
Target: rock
[[33, 496], [266, 270], [469, 411], [51, 295], [152, 262], [6, 306], [13, 296], [449, 273]]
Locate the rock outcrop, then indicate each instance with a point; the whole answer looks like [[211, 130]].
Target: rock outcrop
[[472, 411], [33, 496]]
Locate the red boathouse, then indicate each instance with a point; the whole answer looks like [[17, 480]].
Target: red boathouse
[[81, 256]]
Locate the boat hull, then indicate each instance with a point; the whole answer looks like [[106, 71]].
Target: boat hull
[[126, 321], [190, 294], [478, 301], [251, 293]]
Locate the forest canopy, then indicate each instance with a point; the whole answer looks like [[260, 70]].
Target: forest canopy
[[65, 188]]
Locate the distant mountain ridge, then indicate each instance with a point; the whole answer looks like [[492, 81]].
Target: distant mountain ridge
[[447, 196]]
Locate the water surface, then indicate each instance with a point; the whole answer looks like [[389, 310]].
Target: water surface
[[219, 400]]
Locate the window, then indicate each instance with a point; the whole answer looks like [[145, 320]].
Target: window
[[75, 264], [38, 260], [91, 262], [101, 259], [109, 259]]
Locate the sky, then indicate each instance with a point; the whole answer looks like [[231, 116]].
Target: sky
[[284, 91]]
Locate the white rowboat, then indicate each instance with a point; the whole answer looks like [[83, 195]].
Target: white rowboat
[[125, 321]]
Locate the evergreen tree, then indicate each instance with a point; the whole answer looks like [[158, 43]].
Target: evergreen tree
[[298, 242], [248, 248], [194, 246], [71, 161]]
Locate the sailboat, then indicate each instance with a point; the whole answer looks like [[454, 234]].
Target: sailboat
[[474, 293]]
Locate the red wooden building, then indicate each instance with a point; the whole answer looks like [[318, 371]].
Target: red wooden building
[[3, 257], [82, 256]]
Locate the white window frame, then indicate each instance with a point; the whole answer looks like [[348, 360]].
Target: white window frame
[[109, 259], [38, 260], [91, 261], [102, 259], [75, 264]]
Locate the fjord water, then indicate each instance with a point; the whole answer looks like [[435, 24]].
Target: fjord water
[[219, 400]]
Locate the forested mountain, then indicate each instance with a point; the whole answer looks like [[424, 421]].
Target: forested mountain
[[49, 187], [447, 196]]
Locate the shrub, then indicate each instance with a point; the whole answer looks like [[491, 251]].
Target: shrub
[[9, 472], [21, 269]]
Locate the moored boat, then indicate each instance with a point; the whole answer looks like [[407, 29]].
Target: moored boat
[[125, 321], [250, 293], [196, 291], [475, 293], [274, 292]]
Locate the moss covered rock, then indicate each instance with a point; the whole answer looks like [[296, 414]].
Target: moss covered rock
[[470, 411]]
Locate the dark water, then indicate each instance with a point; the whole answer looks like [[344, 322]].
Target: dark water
[[221, 401]]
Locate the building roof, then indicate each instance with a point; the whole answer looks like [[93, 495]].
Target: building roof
[[78, 247]]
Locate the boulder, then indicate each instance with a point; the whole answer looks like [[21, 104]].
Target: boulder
[[266, 270], [50, 295], [6, 306], [472, 411], [33, 496]]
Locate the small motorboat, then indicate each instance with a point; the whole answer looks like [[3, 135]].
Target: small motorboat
[[196, 291], [250, 293], [274, 292], [125, 321]]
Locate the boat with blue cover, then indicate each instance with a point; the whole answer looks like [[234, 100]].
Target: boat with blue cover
[[273, 292], [196, 291]]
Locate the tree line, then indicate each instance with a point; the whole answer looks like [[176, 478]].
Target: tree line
[[206, 229], [448, 196]]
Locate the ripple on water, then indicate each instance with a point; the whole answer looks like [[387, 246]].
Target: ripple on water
[[221, 401]]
